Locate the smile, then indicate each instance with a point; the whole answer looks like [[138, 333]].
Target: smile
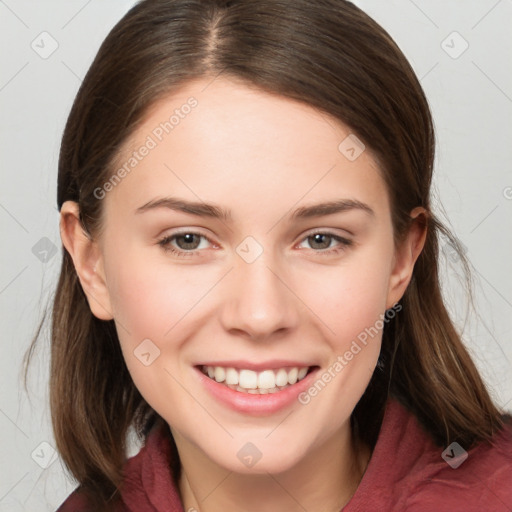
[[253, 382]]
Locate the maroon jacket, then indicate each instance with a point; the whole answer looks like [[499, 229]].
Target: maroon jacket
[[406, 472]]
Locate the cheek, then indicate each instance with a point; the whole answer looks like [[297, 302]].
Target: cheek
[[352, 297], [352, 307], [150, 297], [159, 301], [150, 304]]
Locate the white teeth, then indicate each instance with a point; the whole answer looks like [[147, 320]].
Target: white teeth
[[266, 380], [231, 376], [281, 377], [292, 376], [249, 381], [220, 374]]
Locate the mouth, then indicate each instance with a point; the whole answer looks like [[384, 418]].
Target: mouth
[[255, 389], [267, 381]]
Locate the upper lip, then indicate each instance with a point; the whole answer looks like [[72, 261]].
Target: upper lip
[[273, 364]]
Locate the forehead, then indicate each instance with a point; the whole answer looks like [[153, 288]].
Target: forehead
[[224, 141]]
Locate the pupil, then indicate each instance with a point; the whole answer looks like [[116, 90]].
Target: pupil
[[188, 239], [323, 240]]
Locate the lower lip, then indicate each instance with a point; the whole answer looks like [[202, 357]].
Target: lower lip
[[256, 404]]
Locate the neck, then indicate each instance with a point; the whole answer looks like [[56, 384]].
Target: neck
[[323, 480]]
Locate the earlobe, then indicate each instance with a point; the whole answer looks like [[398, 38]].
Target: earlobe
[[406, 256], [87, 259]]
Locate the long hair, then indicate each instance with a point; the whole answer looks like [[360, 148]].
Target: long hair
[[327, 54]]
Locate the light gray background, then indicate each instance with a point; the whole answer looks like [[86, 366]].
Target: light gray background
[[471, 99]]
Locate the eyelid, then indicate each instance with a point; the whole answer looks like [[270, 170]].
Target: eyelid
[[165, 241], [329, 232], [184, 231], [341, 232]]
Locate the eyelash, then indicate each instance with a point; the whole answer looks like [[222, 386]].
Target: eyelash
[[165, 243]]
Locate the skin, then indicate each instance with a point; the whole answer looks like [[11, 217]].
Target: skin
[[261, 156]]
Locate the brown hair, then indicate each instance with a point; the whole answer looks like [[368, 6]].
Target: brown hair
[[327, 54]]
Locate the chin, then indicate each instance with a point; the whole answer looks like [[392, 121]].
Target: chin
[[258, 457]]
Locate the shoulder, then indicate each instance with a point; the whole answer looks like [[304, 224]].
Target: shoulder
[[147, 480], [408, 472], [78, 501], [75, 502], [474, 480]]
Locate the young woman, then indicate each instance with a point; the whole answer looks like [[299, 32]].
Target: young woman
[[250, 275]]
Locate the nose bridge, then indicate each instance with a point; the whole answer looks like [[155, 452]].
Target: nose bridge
[[258, 303]]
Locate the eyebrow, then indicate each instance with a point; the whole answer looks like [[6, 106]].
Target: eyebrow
[[329, 208], [191, 207], [210, 210]]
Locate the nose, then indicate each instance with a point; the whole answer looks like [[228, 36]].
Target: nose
[[259, 301]]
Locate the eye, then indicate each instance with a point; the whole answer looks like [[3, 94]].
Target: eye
[[189, 243], [184, 244], [326, 243]]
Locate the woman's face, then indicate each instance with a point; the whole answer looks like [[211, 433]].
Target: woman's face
[[250, 241]]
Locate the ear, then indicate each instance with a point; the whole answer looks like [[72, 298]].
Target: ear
[[406, 255], [88, 261]]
